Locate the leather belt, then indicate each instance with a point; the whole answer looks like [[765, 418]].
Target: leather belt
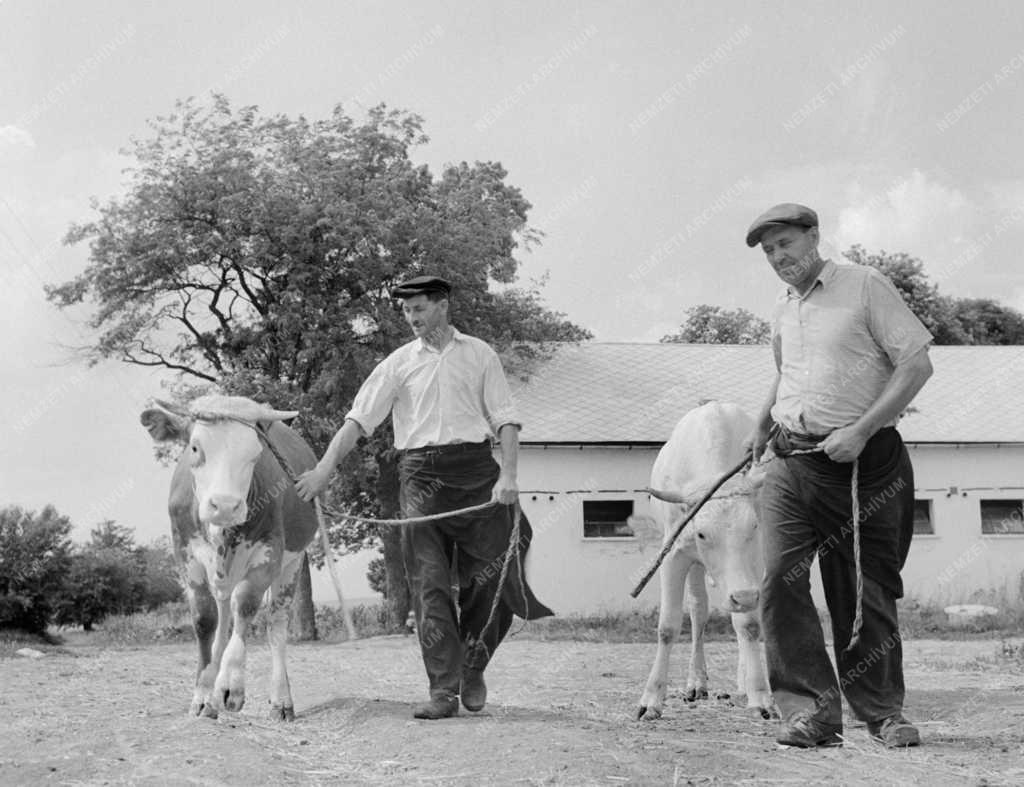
[[450, 448]]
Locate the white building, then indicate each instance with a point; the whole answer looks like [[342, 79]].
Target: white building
[[596, 414]]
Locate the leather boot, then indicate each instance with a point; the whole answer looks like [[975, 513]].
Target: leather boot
[[441, 707]]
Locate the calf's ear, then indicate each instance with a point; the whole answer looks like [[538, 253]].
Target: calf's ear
[[165, 427]]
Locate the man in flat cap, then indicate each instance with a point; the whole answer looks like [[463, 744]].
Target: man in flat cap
[[850, 356], [448, 397]]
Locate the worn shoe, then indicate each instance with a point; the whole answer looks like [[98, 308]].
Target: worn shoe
[[442, 707], [808, 732], [895, 732], [474, 690]]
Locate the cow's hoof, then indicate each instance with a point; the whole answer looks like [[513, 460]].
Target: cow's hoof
[[207, 711], [769, 713], [646, 713], [234, 700], [692, 695], [282, 713]]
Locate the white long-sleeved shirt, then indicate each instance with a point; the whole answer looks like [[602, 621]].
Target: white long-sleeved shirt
[[457, 394]]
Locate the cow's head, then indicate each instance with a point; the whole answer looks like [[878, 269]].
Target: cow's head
[[726, 535], [222, 447]]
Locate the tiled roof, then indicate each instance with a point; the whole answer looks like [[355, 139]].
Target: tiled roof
[[599, 392]]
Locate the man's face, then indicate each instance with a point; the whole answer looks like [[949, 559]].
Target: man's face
[[425, 316], [793, 253]]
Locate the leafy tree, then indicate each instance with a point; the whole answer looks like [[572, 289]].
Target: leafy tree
[[705, 324], [376, 576], [34, 556], [162, 579], [984, 321], [950, 320], [907, 274], [100, 582], [110, 575], [256, 253], [110, 535]]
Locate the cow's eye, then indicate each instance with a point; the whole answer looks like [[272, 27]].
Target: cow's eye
[[701, 536], [195, 454]]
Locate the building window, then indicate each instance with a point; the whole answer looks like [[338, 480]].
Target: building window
[[923, 518], [607, 518], [1001, 516]]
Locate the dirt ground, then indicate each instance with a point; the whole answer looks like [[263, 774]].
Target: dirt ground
[[558, 713]]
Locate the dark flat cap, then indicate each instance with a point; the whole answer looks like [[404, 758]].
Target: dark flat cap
[[421, 285], [786, 213]]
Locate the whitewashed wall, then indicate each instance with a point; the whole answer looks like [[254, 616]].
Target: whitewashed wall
[[575, 575]]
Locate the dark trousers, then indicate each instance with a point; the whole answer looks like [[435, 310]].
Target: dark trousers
[[806, 509], [434, 482]]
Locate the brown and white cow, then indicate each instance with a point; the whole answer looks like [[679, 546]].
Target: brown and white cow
[[239, 529], [721, 544]]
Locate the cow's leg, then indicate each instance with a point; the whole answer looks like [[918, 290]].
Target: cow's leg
[[204, 621], [670, 621], [281, 593], [697, 679], [229, 688], [206, 702], [750, 674]]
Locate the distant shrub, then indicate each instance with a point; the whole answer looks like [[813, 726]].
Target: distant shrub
[[34, 557]]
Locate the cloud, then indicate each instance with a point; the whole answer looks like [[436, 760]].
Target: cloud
[[15, 141], [912, 213]]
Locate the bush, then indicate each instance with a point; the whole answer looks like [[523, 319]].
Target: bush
[[34, 556]]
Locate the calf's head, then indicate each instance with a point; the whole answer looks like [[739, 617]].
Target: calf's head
[[727, 537], [222, 447]]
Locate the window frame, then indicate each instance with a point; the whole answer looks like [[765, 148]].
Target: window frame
[[605, 500], [1004, 500]]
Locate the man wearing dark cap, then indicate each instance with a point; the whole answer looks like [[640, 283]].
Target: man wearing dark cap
[[850, 356], [448, 397]]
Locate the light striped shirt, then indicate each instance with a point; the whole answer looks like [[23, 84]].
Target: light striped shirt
[[456, 395], [840, 343]]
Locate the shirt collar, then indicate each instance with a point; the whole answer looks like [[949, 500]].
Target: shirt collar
[[423, 347], [825, 276]]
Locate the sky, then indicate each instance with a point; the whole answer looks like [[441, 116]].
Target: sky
[[646, 136]]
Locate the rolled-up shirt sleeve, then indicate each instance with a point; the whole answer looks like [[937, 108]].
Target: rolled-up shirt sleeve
[[375, 398], [895, 328], [499, 404]]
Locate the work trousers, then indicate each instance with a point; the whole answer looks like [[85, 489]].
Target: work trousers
[[445, 479], [806, 509]]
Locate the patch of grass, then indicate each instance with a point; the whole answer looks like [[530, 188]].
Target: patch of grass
[[370, 620], [927, 621], [168, 623], [633, 626], [13, 640]]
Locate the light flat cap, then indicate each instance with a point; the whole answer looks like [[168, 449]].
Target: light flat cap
[[421, 285], [786, 213]]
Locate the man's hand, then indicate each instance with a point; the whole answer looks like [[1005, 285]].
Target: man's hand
[[845, 444], [506, 491], [756, 442], [312, 483]]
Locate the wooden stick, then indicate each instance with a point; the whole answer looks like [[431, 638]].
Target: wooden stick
[[686, 520]]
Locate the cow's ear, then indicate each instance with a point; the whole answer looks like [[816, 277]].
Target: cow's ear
[[165, 427]]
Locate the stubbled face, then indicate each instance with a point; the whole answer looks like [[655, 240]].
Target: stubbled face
[[425, 317], [793, 254], [726, 534], [223, 455]]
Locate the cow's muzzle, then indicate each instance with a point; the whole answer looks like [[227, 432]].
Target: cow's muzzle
[[744, 600]]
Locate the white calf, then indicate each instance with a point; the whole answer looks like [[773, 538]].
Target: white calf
[[721, 544]]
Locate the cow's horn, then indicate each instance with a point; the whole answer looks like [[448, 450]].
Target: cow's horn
[[172, 408], [668, 497]]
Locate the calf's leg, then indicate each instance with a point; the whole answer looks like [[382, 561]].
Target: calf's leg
[[697, 679], [670, 620]]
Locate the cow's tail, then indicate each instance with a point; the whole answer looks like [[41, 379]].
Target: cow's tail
[[332, 569]]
